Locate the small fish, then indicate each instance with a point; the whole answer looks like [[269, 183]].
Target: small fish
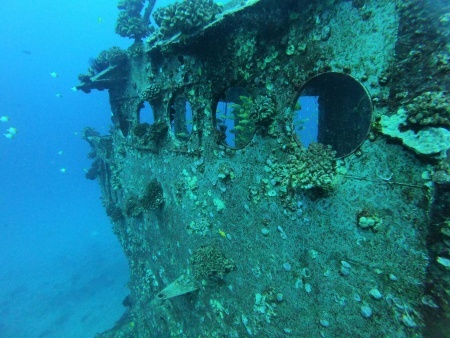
[[12, 130], [99, 20], [60, 152], [4, 118], [9, 136], [222, 233], [54, 74], [58, 95], [26, 52], [63, 170], [182, 135], [74, 88]]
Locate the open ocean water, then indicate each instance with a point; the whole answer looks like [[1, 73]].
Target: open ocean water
[[62, 271]]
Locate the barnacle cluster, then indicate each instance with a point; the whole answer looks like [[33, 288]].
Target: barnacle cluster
[[185, 17], [430, 109]]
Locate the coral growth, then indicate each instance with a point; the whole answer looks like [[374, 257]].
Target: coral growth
[[151, 136], [422, 138], [209, 261], [314, 167], [151, 91], [265, 111], [114, 56], [114, 212], [130, 23], [430, 109], [94, 170], [133, 206], [153, 197], [185, 17]]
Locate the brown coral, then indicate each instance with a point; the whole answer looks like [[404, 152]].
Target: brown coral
[[430, 109], [209, 261], [185, 17], [314, 167]]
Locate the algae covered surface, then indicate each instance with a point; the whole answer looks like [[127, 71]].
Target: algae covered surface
[[216, 200]]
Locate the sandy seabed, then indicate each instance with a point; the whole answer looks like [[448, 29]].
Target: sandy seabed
[[72, 293]]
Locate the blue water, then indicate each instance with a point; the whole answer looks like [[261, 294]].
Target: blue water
[[62, 271], [306, 120]]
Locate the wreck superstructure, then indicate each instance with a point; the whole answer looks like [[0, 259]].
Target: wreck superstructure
[[231, 226]]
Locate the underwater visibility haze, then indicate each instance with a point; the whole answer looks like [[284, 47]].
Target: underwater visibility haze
[[244, 168], [62, 271]]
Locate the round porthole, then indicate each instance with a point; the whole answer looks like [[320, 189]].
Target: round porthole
[[181, 118], [333, 109], [234, 124]]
